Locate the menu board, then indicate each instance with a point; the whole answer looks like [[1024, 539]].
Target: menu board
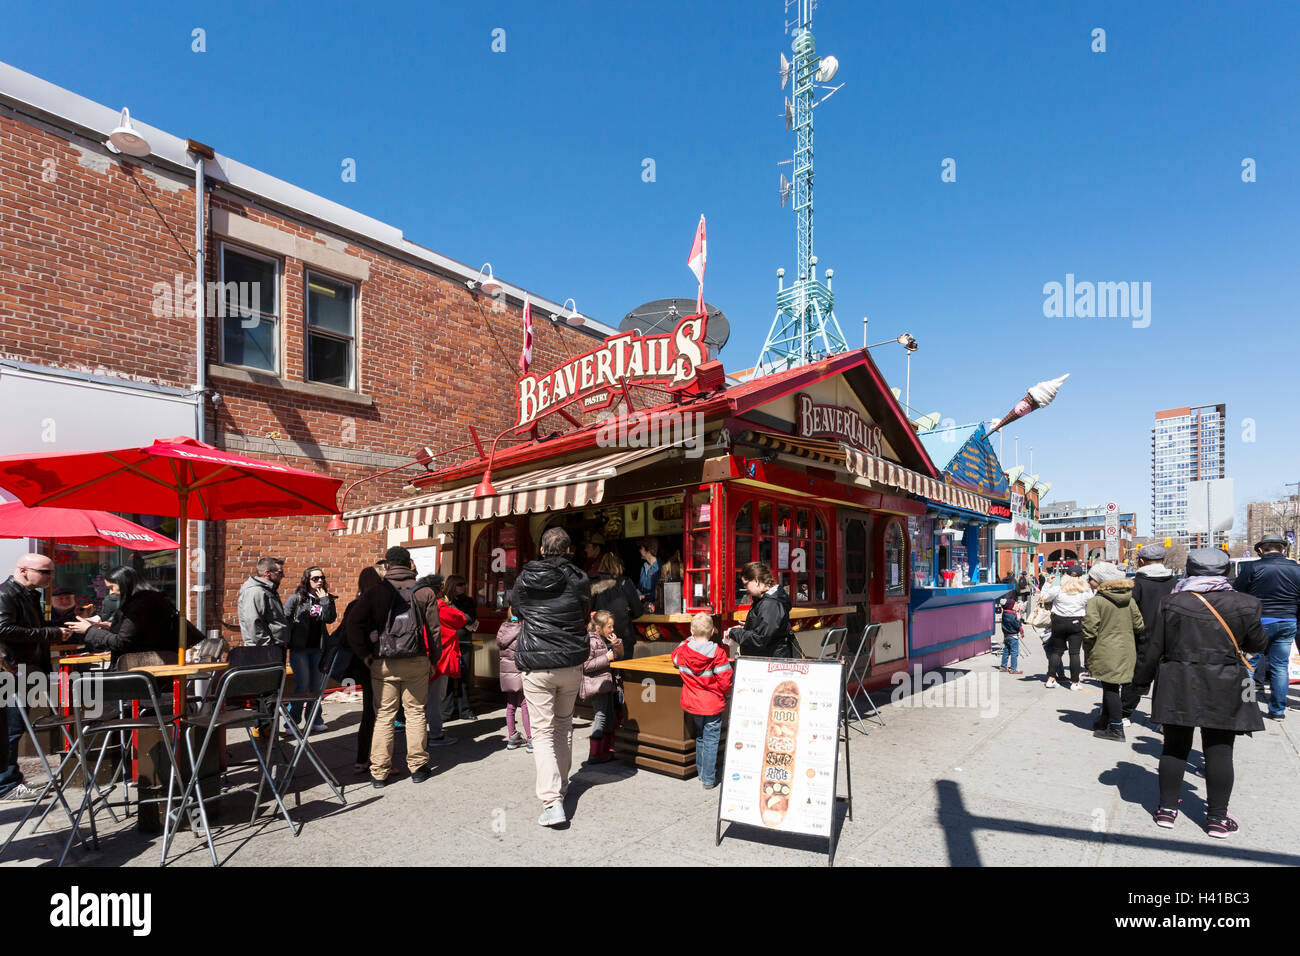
[[664, 515], [782, 745]]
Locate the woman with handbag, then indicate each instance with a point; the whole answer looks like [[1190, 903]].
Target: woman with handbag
[[309, 609], [1196, 651]]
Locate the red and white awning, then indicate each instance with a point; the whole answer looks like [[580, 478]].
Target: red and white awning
[[555, 488], [894, 475]]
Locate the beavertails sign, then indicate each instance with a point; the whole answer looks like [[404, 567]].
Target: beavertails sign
[[595, 379], [838, 422]]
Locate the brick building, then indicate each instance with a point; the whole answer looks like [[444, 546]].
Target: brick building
[[1019, 538], [1272, 517], [1075, 533], [354, 350]]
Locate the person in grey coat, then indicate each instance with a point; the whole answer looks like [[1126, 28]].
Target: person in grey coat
[[262, 620]]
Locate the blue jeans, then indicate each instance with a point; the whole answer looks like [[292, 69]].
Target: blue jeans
[[11, 732], [307, 677], [707, 732], [1281, 635], [1010, 648]]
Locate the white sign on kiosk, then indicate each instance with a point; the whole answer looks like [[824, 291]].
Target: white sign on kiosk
[[783, 740]]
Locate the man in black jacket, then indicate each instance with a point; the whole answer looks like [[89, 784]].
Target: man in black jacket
[[1276, 582], [553, 596], [24, 643], [1151, 585]]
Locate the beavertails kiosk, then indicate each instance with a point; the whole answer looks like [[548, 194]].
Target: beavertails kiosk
[[814, 470]]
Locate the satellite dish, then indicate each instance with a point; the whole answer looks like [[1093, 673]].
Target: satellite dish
[[785, 71], [789, 114], [785, 190], [827, 70], [662, 315]]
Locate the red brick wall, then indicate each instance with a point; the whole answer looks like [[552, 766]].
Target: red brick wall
[[80, 252]]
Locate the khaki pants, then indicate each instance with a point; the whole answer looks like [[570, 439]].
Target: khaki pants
[[551, 696], [404, 679]]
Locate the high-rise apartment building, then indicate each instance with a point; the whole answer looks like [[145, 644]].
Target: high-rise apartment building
[[1187, 444]]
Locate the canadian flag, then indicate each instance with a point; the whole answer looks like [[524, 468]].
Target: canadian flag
[[699, 256], [526, 354]]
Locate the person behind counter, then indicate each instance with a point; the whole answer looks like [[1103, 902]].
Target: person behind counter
[[766, 632], [63, 609], [613, 591], [649, 570], [706, 681]]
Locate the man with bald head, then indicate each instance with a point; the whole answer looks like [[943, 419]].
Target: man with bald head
[[24, 642]]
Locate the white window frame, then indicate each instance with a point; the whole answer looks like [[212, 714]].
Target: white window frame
[[279, 298], [309, 330]]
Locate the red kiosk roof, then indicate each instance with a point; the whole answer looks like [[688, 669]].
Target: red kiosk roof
[[735, 400]]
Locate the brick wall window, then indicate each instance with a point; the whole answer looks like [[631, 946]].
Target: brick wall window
[[331, 331], [250, 328]]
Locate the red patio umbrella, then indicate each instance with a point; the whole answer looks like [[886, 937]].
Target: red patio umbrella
[[175, 476], [75, 526]]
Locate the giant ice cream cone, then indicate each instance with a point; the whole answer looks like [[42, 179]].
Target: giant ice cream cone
[[1037, 396]]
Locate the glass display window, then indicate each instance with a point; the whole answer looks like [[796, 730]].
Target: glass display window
[[790, 538], [496, 563]]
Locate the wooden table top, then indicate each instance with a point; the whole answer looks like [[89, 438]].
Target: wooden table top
[[800, 612], [72, 660], [181, 670], [656, 664]]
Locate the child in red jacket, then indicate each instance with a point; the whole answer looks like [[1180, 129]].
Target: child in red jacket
[[706, 681]]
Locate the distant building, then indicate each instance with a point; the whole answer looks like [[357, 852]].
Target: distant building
[[1019, 538], [1280, 517], [1074, 533], [1187, 444]]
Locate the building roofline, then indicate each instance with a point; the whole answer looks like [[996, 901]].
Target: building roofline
[[32, 96]]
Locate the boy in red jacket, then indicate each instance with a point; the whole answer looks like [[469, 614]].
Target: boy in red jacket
[[706, 680]]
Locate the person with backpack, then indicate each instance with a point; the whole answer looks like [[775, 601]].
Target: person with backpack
[[1196, 653], [404, 621]]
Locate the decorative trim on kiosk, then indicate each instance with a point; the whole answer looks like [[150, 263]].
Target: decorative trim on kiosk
[[556, 488], [896, 476]]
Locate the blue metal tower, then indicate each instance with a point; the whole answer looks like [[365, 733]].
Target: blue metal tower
[[805, 328]]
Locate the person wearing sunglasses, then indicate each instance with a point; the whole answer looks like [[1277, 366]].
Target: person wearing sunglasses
[[25, 641], [309, 609]]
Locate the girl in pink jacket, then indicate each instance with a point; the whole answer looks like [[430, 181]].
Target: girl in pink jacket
[[598, 685]]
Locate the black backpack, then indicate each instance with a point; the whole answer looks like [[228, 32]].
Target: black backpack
[[403, 633]]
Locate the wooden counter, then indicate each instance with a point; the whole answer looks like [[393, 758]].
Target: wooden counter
[[803, 612], [658, 735]]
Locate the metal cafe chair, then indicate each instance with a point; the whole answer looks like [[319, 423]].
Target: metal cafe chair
[[858, 669], [54, 720], [831, 642], [112, 689], [302, 737], [258, 689]]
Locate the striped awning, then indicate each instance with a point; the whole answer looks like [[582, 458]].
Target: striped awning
[[896, 476], [810, 448], [555, 488]]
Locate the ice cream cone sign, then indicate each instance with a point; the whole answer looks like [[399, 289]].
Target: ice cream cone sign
[[1037, 396]]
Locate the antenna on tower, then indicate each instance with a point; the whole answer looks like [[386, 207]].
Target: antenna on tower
[[805, 328]]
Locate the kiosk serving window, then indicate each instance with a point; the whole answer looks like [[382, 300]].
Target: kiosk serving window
[[496, 562], [699, 518], [790, 537]]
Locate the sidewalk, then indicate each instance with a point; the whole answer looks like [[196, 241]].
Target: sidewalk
[[937, 786]]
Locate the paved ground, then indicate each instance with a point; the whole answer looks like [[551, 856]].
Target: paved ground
[[938, 786]]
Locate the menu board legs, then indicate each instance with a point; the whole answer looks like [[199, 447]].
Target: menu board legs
[[785, 728]]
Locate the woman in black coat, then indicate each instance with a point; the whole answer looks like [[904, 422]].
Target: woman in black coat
[[766, 632], [613, 591], [1200, 681], [359, 673], [145, 620]]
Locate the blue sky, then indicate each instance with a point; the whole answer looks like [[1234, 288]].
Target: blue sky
[[1115, 166]]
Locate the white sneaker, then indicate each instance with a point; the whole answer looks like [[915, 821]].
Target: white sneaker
[[1127, 722], [20, 794], [552, 816], [319, 727]]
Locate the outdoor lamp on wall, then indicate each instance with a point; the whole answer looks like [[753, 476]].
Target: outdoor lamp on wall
[[574, 317], [125, 139], [490, 285]]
